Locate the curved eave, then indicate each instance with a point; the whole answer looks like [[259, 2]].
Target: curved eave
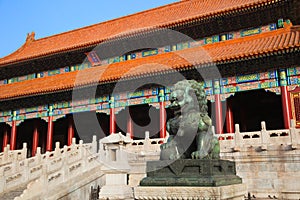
[[263, 45], [14, 58], [182, 67]]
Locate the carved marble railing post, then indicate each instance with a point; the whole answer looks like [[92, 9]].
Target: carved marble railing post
[[44, 176], [264, 136], [5, 153], [73, 142], [25, 171], [57, 151], [237, 138], [147, 142], [38, 154], [101, 148], [83, 154], [294, 135], [50, 169], [65, 163], [2, 179], [94, 144], [24, 151]]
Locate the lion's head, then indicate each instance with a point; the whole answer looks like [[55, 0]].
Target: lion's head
[[188, 95]]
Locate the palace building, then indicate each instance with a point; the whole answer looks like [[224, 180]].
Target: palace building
[[119, 72]]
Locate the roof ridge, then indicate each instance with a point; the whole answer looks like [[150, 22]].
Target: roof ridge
[[149, 10], [172, 60], [79, 38], [112, 20]]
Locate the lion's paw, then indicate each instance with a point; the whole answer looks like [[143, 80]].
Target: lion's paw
[[197, 155]]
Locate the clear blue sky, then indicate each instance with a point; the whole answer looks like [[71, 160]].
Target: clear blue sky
[[49, 17]]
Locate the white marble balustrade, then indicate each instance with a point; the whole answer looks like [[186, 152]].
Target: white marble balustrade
[[9, 156], [52, 167], [263, 139]]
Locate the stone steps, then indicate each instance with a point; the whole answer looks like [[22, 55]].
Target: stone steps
[[10, 195]]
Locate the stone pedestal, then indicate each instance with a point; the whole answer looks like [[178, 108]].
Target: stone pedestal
[[116, 188], [116, 168], [191, 179], [229, 192], [189, 172]]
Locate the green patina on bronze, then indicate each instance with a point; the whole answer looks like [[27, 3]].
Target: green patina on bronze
[[190, 130], [191, 172], [191, 155]]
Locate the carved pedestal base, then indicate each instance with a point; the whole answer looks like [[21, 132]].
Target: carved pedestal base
[[229, 192], [188, 172], [191, 179]]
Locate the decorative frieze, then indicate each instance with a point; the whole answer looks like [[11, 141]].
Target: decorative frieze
[[270, 81], [151, 52]]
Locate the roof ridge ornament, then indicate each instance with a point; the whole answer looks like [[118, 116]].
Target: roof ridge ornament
[[30, 37]]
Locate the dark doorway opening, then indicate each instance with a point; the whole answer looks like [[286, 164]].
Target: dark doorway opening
[[250, 108], [60, 132], [4, 128], [145, 118], [103, 120], [88, 124], [25, 134], [121, 121]]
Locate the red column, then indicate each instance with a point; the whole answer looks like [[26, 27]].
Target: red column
[[112, 121], [218, 108], [49, 134], [286, 106], [13, 135], [229, 119], [129, 126], [35, 138], [162, 113], [5, 138], [70, 130]]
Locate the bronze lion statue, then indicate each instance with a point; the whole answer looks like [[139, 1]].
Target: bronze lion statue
[[190, 129]]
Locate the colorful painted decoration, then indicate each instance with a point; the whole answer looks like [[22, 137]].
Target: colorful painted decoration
[[167, 49], [223, 37], [280, 23], [122, 58], [216, 38], [249, 32], [150, 52], [272, 27], [133, 56], [93, 56], [247, 78], [209, 40], [53, 72]]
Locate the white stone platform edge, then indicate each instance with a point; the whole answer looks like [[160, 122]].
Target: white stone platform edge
[[230, 192]]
